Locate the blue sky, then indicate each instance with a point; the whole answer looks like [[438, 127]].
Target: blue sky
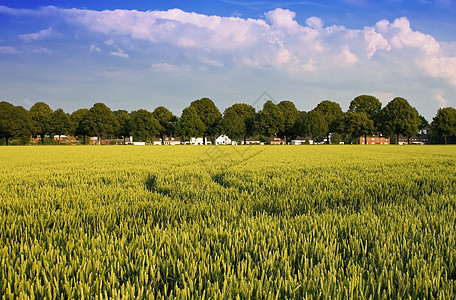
[[143, 54]]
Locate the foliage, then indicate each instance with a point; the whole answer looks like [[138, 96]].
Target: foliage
[[359, 124], [315, 124], [166, 120], [398, 117], [332, 113], [100, 121], [209, 114], [444, 123], [270, 120], [190, 124], [238, 121], [144, 127], [15, 122], [77, 118], [290, 114], [41, 115], [369, 105], [346, 222], [124, 120], [60, 123]]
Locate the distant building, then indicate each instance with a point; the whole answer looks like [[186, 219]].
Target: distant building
[[421, 139], [299, 140], [199, 141], [276, 141], [223, 140], [373, 140], [251, 141], [171, 140]]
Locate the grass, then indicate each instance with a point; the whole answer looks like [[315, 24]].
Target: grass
[[228, 221]]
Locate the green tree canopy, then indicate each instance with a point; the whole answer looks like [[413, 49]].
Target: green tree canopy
[[367, 104], [41, 115], [238, 121], [209, 114], [270, 120], [398, 117], [100, 121], [77, 125], [290, 114], [167, 121], [60, 123], [359, 124], [315, 124], [124, 120], [144, 127], [15, 122], [333, 115], [189, 124], [444, 123]]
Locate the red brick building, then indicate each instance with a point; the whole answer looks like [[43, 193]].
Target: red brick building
[[373, 140]]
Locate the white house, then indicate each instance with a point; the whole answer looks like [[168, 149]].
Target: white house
[[223, 140], [199, 141], [157, 141], [252, 142], [299, 140], [171, 140]]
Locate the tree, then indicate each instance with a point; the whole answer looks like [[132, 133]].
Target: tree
[[209, 114], [41, 115], [398, 117], [100, 121], [238, 121], [60, 123], [424, 124], [124, 120], [290, 114], [77, 125], [300, 124], [144, 127], [333, 115], [167, 121], [15, 122], [369, 105], [444, 123], [316, 124], [189, 124], [359, 124], [270, 120]]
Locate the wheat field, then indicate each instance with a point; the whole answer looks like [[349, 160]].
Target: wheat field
[[219, 222]]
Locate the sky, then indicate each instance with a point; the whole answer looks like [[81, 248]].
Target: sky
[[144, 54]]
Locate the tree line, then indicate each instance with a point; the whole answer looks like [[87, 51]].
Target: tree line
[[365, 117]]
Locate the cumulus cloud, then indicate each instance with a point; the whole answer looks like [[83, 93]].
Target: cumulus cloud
[[8, 50], [42, 34], [276, 43]]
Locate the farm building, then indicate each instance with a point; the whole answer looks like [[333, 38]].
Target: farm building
[[223, 140]]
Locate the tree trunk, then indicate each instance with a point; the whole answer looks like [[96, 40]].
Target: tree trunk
[[408, 140], [42, 138], [397, 139], [445, 140], [59, 139], [204, 140], [245, 140], [365, 139], [6, 141], [99, 141]]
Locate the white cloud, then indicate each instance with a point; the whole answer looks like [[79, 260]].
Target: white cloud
[[119, 53], [178, 43], [8, 50], [42, 34], [440, 100], [95, 48]]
